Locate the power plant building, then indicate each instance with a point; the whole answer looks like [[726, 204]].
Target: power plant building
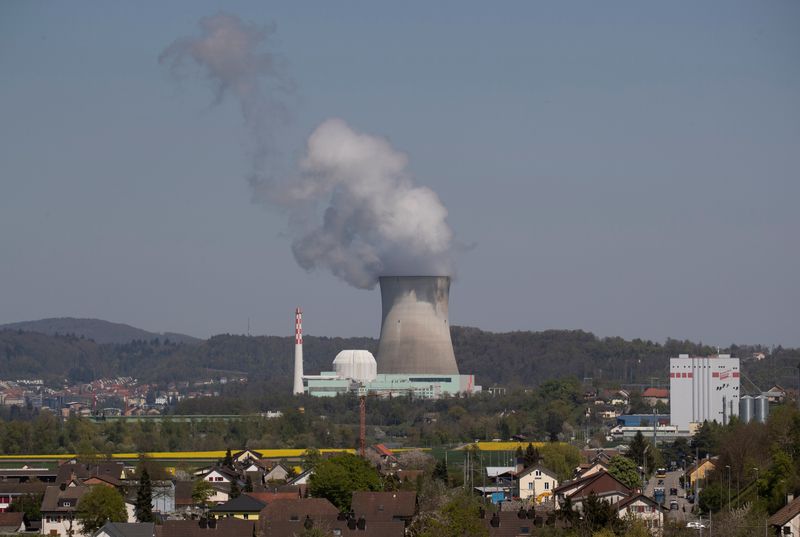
[[703, 389], [415, 352]]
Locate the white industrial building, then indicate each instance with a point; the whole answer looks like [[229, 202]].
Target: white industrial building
[[703, 388]]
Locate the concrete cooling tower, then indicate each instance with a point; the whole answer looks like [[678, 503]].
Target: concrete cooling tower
[[415, 331]]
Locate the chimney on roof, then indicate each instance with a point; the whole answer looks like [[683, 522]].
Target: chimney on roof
[[362, 523], [789, 498], [308, 523], [203, 523], [212, 523]]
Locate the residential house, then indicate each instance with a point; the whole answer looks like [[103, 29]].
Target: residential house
[[589, 469], [227, 527], [124, 529], [11, 523], [285, 518], [653, 396], [536, 484], [699, 469], [641, 507], [58, 509], [381, 506], [246, 456], [220, 474], [786, 521], [509, 523], [279, 472], [244, 507], [775, 395], [9, 490], [603, 485], [302, 479]]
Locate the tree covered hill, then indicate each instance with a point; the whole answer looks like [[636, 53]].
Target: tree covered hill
[[508, 359], [95, 329]]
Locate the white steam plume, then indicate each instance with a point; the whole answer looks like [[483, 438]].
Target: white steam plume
[[352, 204]]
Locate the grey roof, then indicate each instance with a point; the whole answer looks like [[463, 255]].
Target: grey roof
[[240, 504], [126, 529]]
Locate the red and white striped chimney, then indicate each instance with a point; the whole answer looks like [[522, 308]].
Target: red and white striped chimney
[[298, 352]]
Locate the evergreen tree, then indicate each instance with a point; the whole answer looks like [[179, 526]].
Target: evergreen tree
[[228, 460], [144, 499], [248, 484], [235, 490], [641, 452], [531, 456], [440, 471]]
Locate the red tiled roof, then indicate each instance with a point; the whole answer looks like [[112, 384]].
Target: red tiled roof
[[785, 514], [658, 393]]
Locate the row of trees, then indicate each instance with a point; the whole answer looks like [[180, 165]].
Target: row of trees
[[510, 359]]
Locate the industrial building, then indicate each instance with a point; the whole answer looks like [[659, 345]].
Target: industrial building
[[355, 371], [415, 352], [703, 389]]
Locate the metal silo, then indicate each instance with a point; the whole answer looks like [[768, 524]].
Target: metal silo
[[761, 409], [746, 409], [415, 331]]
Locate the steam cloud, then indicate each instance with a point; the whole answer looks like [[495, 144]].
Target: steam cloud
[[352, 204]]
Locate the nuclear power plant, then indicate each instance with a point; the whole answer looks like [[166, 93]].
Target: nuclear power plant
[[415, 330], [415, 352]]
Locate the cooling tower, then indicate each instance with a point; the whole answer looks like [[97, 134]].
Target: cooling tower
[[415, 331]]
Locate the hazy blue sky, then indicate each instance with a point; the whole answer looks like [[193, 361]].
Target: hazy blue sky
[[628, 168]]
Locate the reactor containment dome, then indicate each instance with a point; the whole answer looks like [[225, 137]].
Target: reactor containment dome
[[358, 365]]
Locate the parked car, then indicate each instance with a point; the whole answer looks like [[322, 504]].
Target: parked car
[[673, 504], [673, 491]]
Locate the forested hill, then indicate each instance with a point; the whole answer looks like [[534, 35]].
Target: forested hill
[[95, 329], [509, 359]]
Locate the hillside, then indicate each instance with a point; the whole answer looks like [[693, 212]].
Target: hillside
[[96, 330], [509, 359]]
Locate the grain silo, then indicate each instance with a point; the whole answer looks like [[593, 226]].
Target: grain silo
[[746, 409], [415, 330], [761, 409]]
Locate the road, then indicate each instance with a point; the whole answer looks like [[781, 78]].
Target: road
[[684, 511]]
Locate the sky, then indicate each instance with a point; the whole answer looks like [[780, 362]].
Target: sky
[[630, 168]]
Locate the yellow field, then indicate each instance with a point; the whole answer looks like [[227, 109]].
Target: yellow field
[[187, 455], [505, 446]]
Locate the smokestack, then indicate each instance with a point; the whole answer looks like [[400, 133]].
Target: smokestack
[[415, 331], [298, 352]]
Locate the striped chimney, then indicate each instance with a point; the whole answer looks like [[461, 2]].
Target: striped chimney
[[298, 352]]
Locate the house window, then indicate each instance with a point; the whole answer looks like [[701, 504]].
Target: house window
[[246, 516], [538, 473], [530, 485], [525, 530], [546, 485]]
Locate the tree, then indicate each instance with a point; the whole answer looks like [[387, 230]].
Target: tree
[[640, 451], [626, 471], [144, 498], [531, 456], [99, 505], [228, 460], [248, 484], [598, 514], [337, 477], [202, 491], [460, 516], [235, 490], [30, 504], [712, 497], [440, 471]]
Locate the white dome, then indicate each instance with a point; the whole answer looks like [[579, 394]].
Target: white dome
[[357, 365]]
